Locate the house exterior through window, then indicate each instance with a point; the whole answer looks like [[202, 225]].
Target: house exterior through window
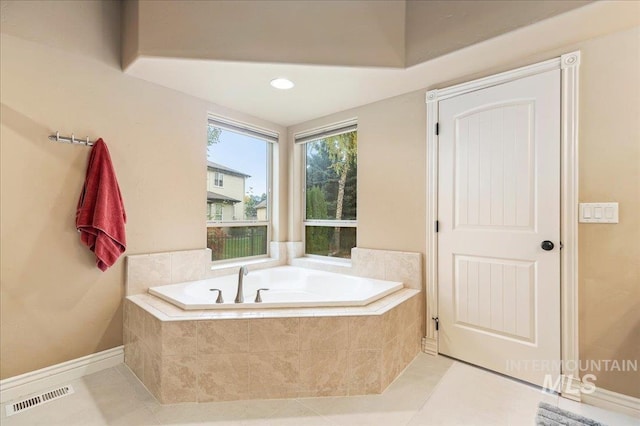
[[238, 189], [228, 200]]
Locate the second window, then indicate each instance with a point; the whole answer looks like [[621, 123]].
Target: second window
[[330, 190]]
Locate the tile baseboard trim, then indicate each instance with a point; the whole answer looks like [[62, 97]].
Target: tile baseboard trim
[[613, 401], [39, 380]]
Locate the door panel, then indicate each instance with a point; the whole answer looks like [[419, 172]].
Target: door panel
[[495, 296], [490, 190], [498, 199]]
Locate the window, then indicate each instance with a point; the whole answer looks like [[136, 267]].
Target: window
[[214, 212], [330, 190], [238, 189], [218, 180]]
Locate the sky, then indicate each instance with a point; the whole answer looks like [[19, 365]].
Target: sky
[[244, 154]]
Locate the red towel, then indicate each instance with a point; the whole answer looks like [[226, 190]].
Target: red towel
[[101, 217]]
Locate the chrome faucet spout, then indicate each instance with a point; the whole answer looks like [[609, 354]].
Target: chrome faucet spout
[[240, 294]]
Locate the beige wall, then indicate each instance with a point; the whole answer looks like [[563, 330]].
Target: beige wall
[[610, 171], [388, 33], [57, 306], [60, 70], [391, 153], [346, 32], [438, 27], [391, 137]]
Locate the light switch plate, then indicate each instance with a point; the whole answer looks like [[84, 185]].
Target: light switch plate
[[599, 212]]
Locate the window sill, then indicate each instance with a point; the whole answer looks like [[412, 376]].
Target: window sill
[[233, 266], [344, 266]]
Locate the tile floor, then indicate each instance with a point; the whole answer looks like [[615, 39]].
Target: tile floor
[[431, 391]]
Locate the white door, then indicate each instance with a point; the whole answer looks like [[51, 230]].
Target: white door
[[498, 201]]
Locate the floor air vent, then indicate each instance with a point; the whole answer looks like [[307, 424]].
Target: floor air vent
[[34, 401]]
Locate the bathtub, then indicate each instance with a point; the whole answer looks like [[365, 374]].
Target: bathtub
[[289, 286]]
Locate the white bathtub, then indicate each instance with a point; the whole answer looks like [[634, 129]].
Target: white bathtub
[[289, 286]]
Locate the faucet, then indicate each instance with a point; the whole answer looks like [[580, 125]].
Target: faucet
[[219, 299], [258, 297], [240, 295]]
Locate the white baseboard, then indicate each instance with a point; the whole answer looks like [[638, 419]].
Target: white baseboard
[[429, 346], [571, 388], [613, 401], [38, 380]]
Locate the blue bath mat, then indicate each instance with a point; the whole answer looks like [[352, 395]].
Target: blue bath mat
[[550, 415]]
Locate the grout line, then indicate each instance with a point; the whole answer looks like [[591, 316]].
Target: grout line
[[197, 356], [300, 401], [249, 354], [433, 391]]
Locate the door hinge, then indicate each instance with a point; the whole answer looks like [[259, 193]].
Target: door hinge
[[437, 322], [437, 226], [437, 128]]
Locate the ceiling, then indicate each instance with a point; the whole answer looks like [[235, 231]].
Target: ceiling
[[243, 86], [324, 89]]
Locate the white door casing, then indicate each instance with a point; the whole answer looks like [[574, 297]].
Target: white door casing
[[499, 198], [568, 65]]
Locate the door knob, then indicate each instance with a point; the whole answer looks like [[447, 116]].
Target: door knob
[[547, 245]]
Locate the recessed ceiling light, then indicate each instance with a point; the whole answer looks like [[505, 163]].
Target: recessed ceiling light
[[282, 83]]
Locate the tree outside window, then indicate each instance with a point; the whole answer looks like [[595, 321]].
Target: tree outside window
[[331, 195]]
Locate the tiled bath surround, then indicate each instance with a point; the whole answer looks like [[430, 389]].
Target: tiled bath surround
[[230, 359], [155, 269], [399, 266], [199, 356]]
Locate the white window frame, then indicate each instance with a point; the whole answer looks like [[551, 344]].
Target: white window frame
[[271, 137], [301, 139], [218, 177]]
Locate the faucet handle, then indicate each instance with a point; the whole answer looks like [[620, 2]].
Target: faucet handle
[[219, 299], [258, 298]]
